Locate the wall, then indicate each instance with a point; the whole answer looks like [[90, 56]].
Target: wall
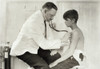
[[14, 13], [2, 21]]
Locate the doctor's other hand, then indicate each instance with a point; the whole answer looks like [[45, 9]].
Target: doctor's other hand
[[53, 25], [66, 38]]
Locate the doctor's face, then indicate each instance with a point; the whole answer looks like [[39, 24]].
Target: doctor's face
[[49, 14]]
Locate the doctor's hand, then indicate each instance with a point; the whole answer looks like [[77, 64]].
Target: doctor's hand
[[66, 37], [53, 25]]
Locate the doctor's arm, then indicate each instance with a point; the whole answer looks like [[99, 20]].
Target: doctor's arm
[[47, 44]]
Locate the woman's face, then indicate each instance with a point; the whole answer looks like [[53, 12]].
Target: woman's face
[[68, 22]]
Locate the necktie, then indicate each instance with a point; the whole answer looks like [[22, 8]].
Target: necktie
[[45, 29]]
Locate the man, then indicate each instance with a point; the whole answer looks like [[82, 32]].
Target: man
[[33, 35]]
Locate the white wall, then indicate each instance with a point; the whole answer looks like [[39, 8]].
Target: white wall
[[14, 13], [2, 21]]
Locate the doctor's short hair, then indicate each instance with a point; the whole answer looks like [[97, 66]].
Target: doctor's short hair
[[71, 14], [50, 5]]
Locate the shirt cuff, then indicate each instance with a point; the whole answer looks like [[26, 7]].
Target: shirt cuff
[[58, 44]]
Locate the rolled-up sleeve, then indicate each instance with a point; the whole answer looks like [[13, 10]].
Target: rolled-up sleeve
[[46, 44], [50, 44]]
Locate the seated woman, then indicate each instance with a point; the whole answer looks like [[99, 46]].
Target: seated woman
[[71, 55]]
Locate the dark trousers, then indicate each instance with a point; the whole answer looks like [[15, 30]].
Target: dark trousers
[[67, 64], [34, 60], [40, 60], [45, 54]]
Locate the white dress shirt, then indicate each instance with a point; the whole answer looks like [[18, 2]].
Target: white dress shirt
[[31, 37]]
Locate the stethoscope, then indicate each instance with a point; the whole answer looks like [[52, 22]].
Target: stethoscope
[[51, 26]]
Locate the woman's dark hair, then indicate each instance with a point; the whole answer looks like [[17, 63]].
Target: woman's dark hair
[[50, 5], [71, 14]]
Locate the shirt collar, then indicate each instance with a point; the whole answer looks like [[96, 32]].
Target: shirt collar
[[43, 14]]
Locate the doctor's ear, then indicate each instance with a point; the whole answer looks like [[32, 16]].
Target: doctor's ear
[[45, 10]]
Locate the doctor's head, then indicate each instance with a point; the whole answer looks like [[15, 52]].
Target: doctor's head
[[49, 10]]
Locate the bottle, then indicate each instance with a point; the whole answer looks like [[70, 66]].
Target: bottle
[[1, 57], [7, 58]]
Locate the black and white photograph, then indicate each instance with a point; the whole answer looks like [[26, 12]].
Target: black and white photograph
[[49, 34]]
